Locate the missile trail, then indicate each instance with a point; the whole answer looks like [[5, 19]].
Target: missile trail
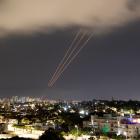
[[70, 55], [65, 56], [71, 60]]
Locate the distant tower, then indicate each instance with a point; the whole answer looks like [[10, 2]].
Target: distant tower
[[92, 120], [112, 98]]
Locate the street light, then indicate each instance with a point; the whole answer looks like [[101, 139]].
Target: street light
[[76, 126]]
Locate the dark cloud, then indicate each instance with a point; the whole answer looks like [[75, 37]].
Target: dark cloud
[[32, 16]]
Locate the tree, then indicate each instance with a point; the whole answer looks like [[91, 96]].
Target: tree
[[17, 138], [51, 134], [65, 127], [25, 121]]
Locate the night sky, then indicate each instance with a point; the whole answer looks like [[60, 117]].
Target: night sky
[[108, 67]]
